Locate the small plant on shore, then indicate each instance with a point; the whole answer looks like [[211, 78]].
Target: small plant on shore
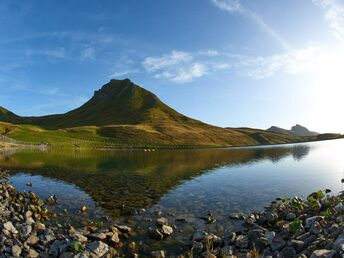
[[78, 247], [296, 227]]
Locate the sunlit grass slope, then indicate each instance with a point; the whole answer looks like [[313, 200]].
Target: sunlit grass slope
[[122, 114]]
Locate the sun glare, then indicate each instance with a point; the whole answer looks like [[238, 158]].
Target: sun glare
[[328, 89]]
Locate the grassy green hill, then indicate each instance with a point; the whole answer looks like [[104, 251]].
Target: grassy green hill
[[122, 114]]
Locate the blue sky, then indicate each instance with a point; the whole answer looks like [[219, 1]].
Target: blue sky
[[226, 62]]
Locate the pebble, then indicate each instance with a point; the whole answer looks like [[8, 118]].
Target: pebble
[[323, 253], [16, 251], [10, 228], [98, 248]]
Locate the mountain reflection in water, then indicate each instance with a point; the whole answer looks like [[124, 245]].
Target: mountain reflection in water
[[134, 178]]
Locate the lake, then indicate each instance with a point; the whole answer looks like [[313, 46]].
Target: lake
[[117, 185]]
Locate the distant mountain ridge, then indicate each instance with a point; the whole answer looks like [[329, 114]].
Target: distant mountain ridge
[[296, 130], [122, 113]]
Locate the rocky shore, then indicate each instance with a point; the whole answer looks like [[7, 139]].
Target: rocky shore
[[288, 227]]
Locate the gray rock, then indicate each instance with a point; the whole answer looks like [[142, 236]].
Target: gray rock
[[288, 251], [199, 235], [16, 251], [310, 239], [33, 253], [26, 230], [298, 245], [29, 221], [241, 241], [32, 240], [155, 234], [166, 230], [115, 238], [226, 251], [197, 247], [315, 228], [270, 235], [82, 255], [28, 214], [255, 234], [310, 221], [261, 243], [323, 253], [97, 236], [162, 221], [80, 237], [339, 208], [277, 244], [9, 227], [338, 245], [98, 248], [290, 216], [237, 216], [124, 229], [67, 255], [58, 247], [158, 254], [230, 238], [40, 227], [271, 217]]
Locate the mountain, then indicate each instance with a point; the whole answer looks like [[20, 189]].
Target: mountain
[[124, 114], [296, 130]]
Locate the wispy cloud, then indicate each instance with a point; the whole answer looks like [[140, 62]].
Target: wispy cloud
[[185, 74], [124, 66], [182, 67], [58, 53], [209, 52], [167, 60], [88, 53], [292, 62], [228, 5], [236, 6], [334, 16]]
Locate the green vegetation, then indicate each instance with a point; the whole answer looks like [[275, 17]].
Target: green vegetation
[[122, 114]]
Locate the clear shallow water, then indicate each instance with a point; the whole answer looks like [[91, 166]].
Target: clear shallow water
[[184, 182]]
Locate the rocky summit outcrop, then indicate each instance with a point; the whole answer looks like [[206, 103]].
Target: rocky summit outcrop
[[296, 130]]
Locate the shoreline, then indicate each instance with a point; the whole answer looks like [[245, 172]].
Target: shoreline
[[289, 227], [5, 146]]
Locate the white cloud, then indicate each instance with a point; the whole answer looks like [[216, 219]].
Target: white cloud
[[58, 53], [120, 73], [235, 6], [209, 52], [179, 66], [221, 66], [314, 60], [168, 60], [88, 53], [124, 66], [185, 74], [227, 5], [334, 16]]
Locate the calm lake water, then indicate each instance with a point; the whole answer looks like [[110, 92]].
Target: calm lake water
[[185, 183]]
